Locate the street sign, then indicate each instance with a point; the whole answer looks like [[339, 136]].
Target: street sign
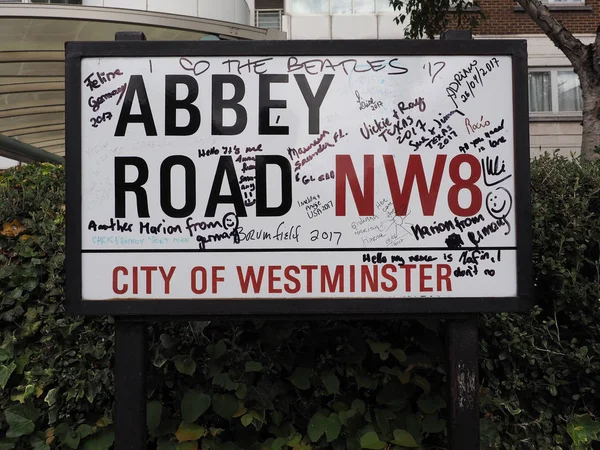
[[297, 177]]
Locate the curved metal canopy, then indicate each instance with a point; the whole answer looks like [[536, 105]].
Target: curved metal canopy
[[32, 38]]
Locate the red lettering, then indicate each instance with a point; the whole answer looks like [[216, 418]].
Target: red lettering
[[444, 277], [414, 170], [273, 279], [167, 278], [202, 289], [344, 169], [352, 278], [309, 271], [288, 275], [116, 289], [407, 280], [391, 278], [335, 285], [250, 277], [216, 278], [367, 277], [461, 183], [135, 280], [148, 270], [423, 278]]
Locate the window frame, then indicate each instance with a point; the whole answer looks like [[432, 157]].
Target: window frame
[[280, 12], [555, 113], [290, 8]]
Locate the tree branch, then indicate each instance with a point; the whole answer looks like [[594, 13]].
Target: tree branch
[[572, 47]]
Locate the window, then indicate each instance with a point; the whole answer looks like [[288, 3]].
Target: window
[[268, 13], [269, 18], [310, 6], [554, 91], [340, 6]]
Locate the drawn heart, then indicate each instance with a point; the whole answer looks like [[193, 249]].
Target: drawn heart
[[186, 64]]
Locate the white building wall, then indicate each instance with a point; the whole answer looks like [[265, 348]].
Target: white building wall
[[550, 132], [236, 11], [342, 26]]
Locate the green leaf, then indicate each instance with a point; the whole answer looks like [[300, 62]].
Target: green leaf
[[430, 404], [433, 424], [246, 419], [5, 373], [8, 443], [52, 396], [153, 414], [583, 429], [21, 419], [422, 383], [223, 380], [225, 405], [359, 406], [253, 366], [398, 354], [300, 378], [190, 432], [185, 365], [331, 383], [278, 444], [379, 347], [187, 446], [392, 394], [193, 405], [320, 425], [371, 440], [489, 433], [71, 439], [84, 430], [37, 443], [166, 444], [404, 438]]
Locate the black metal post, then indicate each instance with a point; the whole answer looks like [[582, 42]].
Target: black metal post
[[130, 385], [463, 352], [130, 363], [463, 346]]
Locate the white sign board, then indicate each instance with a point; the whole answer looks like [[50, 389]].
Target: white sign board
[[316, 177]]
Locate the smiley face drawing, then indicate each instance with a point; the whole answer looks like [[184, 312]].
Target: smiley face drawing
[[230, 221], [499, 203]]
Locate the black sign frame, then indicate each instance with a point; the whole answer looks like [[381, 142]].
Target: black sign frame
[[377, 307]]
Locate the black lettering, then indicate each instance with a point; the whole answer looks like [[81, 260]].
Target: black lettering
[[315, 101], [136, 86], [262, 210], [190, 186], [225, 166], [265, 104], [219, 104], [121, 186], [172, 105]]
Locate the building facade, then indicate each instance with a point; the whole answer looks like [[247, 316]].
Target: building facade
[[33, 32], [555, 101], [32, 40], [555, 98]]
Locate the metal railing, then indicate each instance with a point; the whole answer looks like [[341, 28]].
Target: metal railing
[[268, 18]]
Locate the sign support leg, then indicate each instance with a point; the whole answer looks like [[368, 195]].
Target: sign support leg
[[130, 385], [130, 363], [463, 346]]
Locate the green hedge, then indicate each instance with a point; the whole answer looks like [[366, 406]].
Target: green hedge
[[301, 385]]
